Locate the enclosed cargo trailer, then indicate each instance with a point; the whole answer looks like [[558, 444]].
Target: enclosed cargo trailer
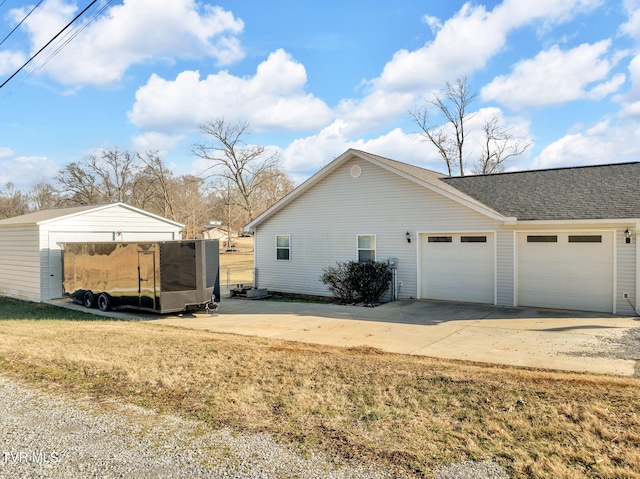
[[163, 276]]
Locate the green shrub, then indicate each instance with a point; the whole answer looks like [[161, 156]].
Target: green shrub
[[353, 282]]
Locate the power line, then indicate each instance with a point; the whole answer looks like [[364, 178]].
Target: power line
[[71, 35], [48, 43], [21, 21]]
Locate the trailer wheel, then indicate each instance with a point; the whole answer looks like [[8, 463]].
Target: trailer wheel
[[103, 302], [88, 300]]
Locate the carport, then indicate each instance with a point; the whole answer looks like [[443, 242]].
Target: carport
[[30, 253]]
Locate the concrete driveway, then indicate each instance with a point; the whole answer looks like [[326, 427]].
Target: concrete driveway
[[539, 338]]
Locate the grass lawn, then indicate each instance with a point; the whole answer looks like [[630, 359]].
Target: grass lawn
[[414, 412]]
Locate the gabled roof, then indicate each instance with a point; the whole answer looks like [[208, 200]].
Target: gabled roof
[[426, 178], [577, 193], [46, 216]]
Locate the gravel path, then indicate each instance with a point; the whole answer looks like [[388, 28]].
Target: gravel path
[[43, 436]]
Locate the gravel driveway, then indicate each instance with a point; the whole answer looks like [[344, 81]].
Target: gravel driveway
[[43, 436]]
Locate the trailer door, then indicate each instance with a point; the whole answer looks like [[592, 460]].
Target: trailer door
[[147, 279]]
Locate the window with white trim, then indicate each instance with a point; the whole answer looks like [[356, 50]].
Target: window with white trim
[[366, 248], [283, 247]]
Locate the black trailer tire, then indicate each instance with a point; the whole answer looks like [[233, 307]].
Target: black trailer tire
[[103, 302], [88, 299]]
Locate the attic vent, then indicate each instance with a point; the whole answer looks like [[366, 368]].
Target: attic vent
[[356, 171]]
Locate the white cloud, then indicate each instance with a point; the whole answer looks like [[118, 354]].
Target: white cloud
[[632, 26], [434, 23], [6, 152], [11, 61], [463, 45], [273, 98], [154, 141], [468, 40], [631, 100], [24, 171], [305, 156], [133, 32], [603, 143], [556, 76]]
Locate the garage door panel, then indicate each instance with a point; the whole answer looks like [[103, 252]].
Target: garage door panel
[[456, 270], [566, 275]]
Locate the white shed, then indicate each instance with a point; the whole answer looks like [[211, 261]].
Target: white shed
[[30, 254]]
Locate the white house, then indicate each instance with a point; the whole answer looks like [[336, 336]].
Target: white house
[[30, 254], [558, 238]]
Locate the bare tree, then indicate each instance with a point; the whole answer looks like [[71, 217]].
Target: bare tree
[[78, 185], [498, 147], [110, 178], [276, 186], [159, 185], [190, 206], [246, 167], [12, 202], [452, 102], [43, 196], [117, 172]]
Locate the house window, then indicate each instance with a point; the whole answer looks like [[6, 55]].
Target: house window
[[542, 239], [473, 239], [283, 247], [366, 248], [585, 238]]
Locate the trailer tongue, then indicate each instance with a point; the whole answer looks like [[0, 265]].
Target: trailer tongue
[[163, 276]]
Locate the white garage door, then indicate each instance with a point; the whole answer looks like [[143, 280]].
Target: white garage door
[[566, 270], [457, 267]]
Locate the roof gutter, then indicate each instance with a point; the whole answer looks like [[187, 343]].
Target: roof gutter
[[588, 222]]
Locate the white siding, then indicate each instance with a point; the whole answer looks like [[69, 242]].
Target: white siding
[[505, 279], [324, 222], [626, 273], [20, 263]]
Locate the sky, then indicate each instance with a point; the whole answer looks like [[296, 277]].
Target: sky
[[314, 79]]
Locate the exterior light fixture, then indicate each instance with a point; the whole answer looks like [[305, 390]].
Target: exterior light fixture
[[627, 236], [408, 237]]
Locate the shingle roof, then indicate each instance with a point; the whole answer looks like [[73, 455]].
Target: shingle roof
[[587, 192]]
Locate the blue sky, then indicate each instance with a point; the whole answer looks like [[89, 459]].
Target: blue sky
[[316, 78]]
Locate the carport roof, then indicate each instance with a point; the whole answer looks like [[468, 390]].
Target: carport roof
[[43, 216], [586, 192]]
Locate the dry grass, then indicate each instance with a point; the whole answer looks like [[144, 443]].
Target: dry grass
[[236, 260], [414, 412], [236, 268]]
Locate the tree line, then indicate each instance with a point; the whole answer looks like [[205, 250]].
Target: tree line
[[241, 182]]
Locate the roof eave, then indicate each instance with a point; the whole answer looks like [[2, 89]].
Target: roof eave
[[577, 222], [111, 205]]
